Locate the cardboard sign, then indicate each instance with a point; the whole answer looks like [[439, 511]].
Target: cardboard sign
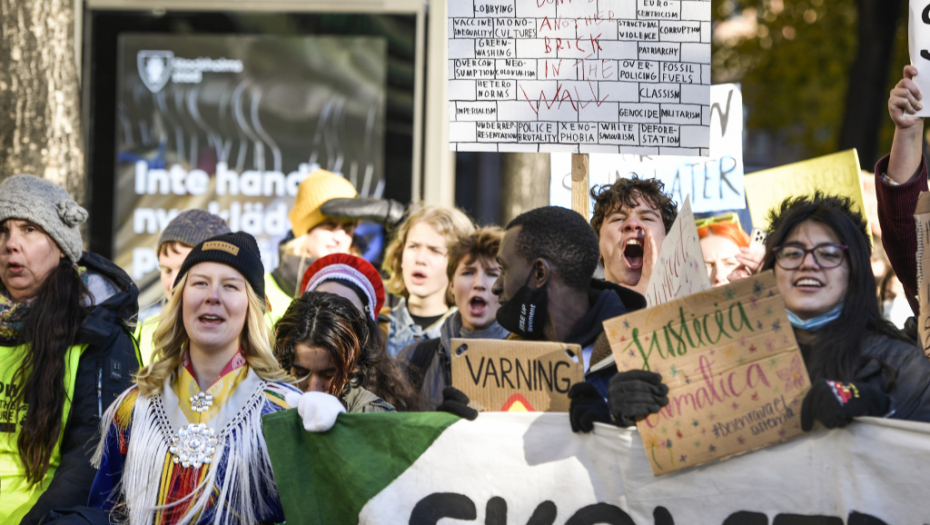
[[515, 376], [836, 174], [918, 45], [580, 77], [714, 183], [922, 216], [680, 270], [735, 374]]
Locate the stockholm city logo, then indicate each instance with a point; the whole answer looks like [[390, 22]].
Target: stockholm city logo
[[155, 68]]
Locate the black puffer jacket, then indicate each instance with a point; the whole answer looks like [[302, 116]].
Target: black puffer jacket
[[911, 393], [104, 371]]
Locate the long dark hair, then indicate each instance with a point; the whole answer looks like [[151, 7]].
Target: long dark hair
[[836, 349], [327, 321], [50, 328], [382, 375]]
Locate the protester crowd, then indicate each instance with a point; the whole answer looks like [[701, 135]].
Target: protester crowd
[[160, 421]]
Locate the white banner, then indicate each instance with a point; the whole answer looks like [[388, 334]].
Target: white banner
[[534, 468]]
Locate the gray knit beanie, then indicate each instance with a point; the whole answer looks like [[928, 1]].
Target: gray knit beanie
[[192, 227], [47, 205]]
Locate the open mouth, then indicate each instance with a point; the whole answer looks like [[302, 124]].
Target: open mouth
[[477, 306], [15, 268], [808, 282], [418, 277], [633, 253], [211, 320]]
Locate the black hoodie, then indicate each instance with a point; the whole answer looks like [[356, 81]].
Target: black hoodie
[[104, 371]]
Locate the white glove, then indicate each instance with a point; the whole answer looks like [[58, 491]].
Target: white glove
[[317, 410]]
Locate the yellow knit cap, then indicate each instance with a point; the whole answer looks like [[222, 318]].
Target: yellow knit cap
[[319, 187]]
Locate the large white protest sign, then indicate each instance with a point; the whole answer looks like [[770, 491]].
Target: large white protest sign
[[918, 44], [582, 76], [714, 183], [529, 468]]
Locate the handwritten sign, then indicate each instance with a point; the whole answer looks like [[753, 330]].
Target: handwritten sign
[[836, 174], [515, 376], [735, 374], [680, 270], [714, 183], [922, 216], [606, 76], [918, 45]]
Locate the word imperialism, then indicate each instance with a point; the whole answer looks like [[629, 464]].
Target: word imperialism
[[592, 76]]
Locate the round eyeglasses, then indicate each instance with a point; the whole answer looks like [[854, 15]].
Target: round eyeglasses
[[825, 255]]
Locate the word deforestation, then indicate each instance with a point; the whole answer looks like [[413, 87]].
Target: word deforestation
[[580, 76]]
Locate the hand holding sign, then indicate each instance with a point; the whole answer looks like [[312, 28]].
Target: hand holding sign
[[904, 101]]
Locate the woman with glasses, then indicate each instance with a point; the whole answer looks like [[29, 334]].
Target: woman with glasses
[[859, 363]]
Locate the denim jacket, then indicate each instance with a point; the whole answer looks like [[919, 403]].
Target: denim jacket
[[402, 331]]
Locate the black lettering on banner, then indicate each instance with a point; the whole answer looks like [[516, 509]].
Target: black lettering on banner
[[437, 506], [474, 377], [496, 511], [506, 370], [798, 519], [600, 513], [491, 370], [544, 514], [925, 16], [856, 518], [661, 516], [744, 517]]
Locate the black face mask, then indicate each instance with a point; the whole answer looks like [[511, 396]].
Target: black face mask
[[525, 313]]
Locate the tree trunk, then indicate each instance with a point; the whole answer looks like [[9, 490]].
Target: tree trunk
[[868, 79], [40, 132], [524, 183]]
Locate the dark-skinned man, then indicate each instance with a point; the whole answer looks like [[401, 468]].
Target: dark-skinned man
[[547, 293]]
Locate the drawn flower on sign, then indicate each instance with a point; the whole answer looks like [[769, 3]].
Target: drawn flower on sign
[[695, 423], [759, 325], [741, 440], [771, 293], [774, 362], [668, 443], [755, 396], [678, 423], [741, 360], [735, 405], [674, 371], [752, 348], [652, 442], [730, 294], [793, 375], [712, 449], [687, 380], [742, 341], [768, 310], [781, 432], [776, 325], [728, 351], [712, 416], [753, 303], [632, 353], [697, 444], [679, 434], [757, 288], [626, 324], [768, 344], [683, 458]]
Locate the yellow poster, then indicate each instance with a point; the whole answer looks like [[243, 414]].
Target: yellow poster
[[836, 174]]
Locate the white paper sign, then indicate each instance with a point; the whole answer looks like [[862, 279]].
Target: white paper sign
[[918, 44], [582, 76], [680, 270], [714, 183]]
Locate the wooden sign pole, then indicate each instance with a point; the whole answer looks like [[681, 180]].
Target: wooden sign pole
[[580, 186]]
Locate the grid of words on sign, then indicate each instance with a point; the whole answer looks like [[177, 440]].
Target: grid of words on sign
[[517, 67]]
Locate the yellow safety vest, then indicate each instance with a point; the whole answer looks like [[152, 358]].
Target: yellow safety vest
[[278, 299], [16, 495], [144, 332]]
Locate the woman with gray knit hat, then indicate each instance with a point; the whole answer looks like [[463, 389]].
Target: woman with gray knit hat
[[62, 312]]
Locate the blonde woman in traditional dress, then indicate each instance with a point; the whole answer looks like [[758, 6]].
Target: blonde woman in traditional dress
[[185, 445]]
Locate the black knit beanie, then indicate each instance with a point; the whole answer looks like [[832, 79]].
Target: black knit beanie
[[238, 250]]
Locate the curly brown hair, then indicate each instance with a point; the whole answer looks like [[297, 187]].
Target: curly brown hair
[[626, 192]]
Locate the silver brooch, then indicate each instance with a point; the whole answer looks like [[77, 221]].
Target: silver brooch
[[201, 402], [194, 445]]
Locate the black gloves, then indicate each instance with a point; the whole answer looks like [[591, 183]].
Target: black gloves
[[835, 404], [635, 393], [388, 212], [454, 401], [587, 406]]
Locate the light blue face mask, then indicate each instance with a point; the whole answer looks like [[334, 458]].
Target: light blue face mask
[[815, 323]]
